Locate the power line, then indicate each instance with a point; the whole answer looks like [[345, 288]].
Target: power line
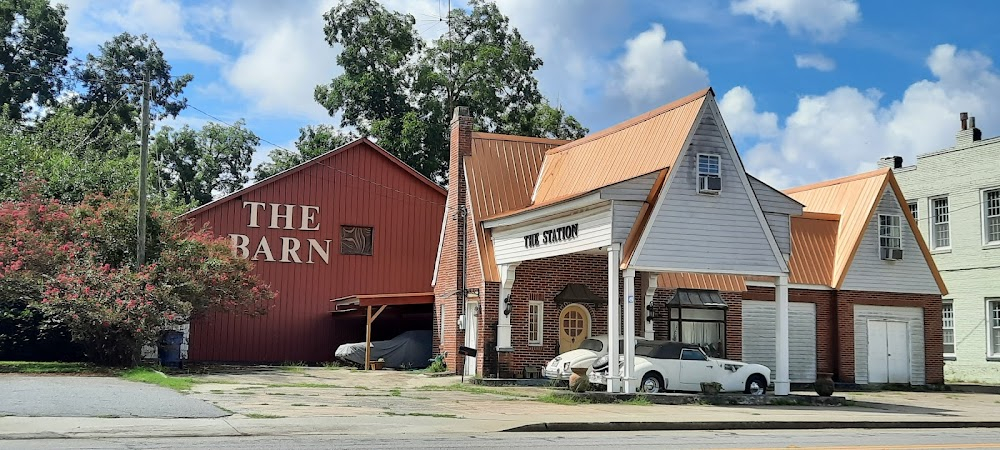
[[87, 139]]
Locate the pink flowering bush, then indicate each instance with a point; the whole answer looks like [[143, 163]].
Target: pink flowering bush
[[72, 268]]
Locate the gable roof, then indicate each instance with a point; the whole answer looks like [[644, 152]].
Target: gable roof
[[854, 199], [500, 173], [639, 146], [357, 143]]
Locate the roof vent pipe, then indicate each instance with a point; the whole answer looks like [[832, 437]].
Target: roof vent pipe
[[972, 122], [964, 117]]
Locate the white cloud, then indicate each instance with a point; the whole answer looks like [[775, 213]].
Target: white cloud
[[816, 61], [742, 119], [91, 23], [655, 70], [846, 130], [564, 37], [823, 20], [279, 69]]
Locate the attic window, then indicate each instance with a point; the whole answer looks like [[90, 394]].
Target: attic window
[[890, 239], [709, 174]]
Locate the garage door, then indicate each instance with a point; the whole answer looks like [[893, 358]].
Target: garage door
[[758, 338]]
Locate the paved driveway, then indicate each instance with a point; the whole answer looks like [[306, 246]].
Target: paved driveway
[[75, 396]]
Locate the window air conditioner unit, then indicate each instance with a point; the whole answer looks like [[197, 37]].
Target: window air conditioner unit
[[709, 184], [892, 254]]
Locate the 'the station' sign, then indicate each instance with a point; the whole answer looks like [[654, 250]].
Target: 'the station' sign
[[552, 236]]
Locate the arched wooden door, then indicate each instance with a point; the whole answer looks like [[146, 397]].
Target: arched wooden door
[[574, 327]]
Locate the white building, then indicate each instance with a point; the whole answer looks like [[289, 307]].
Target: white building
[[954, 194]]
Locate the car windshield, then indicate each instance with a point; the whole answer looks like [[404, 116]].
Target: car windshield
[[592, 345]]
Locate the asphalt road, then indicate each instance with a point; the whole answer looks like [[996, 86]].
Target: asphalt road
[[838, 439], [61, 396]]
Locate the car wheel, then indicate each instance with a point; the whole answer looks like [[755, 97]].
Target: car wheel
[[652, 383], [756, 385]]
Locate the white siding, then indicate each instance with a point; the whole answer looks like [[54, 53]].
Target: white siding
[[697, 232], [780, 225], [759, 336], [970, 270], [625, 214], [773, 201], [868, 272], [914, 317], [636, 189], [594, 231]]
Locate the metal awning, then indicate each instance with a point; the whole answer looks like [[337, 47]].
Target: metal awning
[[577, 293], [696, 298], [352, 302]]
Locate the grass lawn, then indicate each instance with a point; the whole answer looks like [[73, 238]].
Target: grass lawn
[[36, 367]]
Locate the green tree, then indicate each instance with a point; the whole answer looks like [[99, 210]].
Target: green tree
[[60, 150], [33, 54], [195, 164], [112, 82], [402, 91], [314, 140]]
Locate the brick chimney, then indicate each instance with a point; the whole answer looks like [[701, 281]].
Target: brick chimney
[[892, 162], [968, 134]]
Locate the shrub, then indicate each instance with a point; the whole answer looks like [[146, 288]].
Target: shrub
[[72, 267]]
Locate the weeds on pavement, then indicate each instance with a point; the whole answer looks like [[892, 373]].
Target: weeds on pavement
[[147, 375], [559, 399], [263, 416]]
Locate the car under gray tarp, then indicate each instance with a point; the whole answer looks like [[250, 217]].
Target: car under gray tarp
[[409, 350]]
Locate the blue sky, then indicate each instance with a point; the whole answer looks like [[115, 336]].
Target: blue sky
[[810, 89]]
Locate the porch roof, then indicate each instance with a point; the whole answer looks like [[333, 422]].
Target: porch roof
[[352, 302]]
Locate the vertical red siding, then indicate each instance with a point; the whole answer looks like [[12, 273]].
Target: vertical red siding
[[358, 185]]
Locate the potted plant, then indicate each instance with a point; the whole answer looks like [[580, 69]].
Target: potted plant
[[712, 388], [824, 384]]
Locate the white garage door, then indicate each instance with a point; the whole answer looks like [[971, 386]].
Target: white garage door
[[758, 338]]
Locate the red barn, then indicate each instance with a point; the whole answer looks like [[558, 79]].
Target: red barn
[[354, 221]]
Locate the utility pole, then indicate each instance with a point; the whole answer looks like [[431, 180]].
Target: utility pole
[[143, 173]]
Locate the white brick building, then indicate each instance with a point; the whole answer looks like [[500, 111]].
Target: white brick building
[[954, 194]]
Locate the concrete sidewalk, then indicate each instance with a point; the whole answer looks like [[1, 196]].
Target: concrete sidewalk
[[325, 401]]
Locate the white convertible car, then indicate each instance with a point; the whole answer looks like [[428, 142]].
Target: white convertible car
[[674, 366], [559, 368]]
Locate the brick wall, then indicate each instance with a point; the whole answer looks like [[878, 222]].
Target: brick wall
[[835, 326], [931, 304], [542, 280]]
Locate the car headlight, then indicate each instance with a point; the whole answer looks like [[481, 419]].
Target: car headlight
[[601, 362], [565, 366], [732, 367]]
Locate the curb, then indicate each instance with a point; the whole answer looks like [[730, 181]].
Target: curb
[[720, 426]]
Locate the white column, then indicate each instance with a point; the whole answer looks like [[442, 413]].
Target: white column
[[649, 291], [614, 309], [503, 325], [628, 276], [781, 382]]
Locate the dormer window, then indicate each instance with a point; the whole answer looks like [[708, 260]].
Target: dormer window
[[890, 238], [709, 174]]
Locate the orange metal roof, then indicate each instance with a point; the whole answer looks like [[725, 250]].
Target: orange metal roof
[[814, 243], [687, 280], [501, 173], [639, 146], [854, 199]]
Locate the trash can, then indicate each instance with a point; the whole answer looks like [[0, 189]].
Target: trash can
[[169, 348]]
